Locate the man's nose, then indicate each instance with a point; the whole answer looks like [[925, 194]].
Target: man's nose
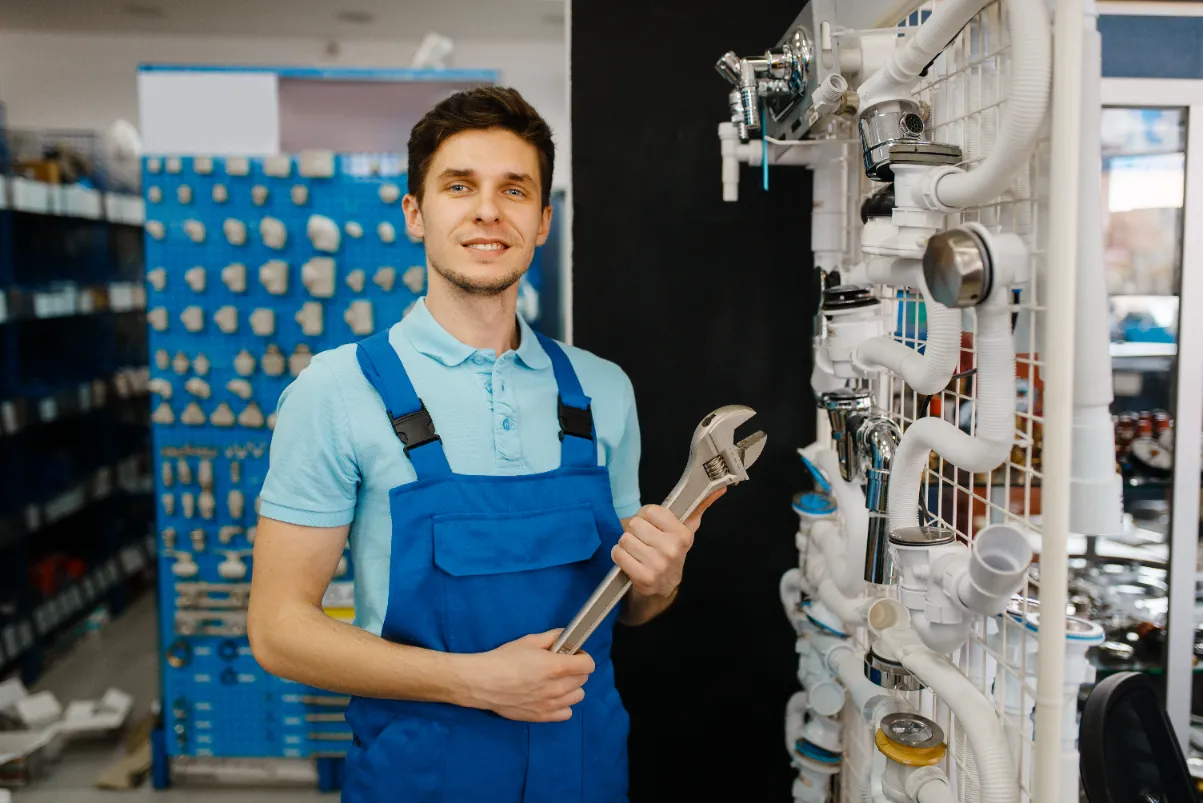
[[487, 208]]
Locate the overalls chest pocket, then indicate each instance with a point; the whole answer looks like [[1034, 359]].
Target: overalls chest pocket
[[508, 575]]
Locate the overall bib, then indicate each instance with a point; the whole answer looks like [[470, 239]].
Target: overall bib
[[479, 561]]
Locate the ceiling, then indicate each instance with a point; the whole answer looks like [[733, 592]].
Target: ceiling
[[324, 19]]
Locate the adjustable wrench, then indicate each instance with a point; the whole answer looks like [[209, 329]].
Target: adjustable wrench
[[715, 461]]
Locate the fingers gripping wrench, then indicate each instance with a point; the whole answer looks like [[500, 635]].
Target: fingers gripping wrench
[[716, 460]]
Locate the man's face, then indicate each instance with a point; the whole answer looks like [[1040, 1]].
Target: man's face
[[481, 215]]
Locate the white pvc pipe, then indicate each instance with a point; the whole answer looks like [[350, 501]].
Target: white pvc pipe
[[795, 715], [927, 373], [995, 402], [1057, 349], [850, 503], [1097, 491], [937, 793], [972, 709], [790, 587], [850, 610], [1027, 104]]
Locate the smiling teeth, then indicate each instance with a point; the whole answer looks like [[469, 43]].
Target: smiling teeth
[[487, 246]]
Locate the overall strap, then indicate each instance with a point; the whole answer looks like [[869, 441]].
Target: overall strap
[[408, 414], [578, 445]]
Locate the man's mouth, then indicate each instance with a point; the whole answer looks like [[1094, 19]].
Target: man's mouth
[[486, 245]]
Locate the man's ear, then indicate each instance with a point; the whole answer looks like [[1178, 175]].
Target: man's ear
[[544, 226], [413, 217]]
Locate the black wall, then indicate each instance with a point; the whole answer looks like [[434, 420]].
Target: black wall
[[704, 304]]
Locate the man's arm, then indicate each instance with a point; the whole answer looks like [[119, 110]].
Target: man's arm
[[292, 637]]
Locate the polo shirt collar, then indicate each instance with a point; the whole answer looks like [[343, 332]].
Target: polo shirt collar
[[428, 337]]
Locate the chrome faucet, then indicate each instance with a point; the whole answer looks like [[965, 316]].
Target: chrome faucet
[[865, 444]]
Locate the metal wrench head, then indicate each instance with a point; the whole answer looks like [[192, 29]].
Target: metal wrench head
[[715, 437]]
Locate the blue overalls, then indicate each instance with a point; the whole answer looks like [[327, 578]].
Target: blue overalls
[[479, 561]]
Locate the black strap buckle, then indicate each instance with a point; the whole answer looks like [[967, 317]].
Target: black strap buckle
[[575, 421], [415, 429]]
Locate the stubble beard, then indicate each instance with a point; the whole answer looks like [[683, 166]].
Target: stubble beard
[[487, 288]]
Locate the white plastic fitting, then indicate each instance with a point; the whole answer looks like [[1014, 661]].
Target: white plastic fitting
[[299, 194], [183, 194], [226, 534], [299, 359], [273, 275], [157, 278], [197, 387], [259, 195], [309, 316], [235, 231], [826, 696], [155, 229], [226, 319], [183, 471], [204, 474], [238, 166], [353, 229], [356, 280], [790, 588], [271, 420], [234, 277], [184, 565], [850, 505], [163, 414], [263, 321], [154, 164], [201, 365], [240, 388], [168, 535], [197, 536], [154, 195], [193, 415], [273, 361], [316, 163], [206, 504], [157, 318], [168, 502], [223, 416], [279, 166], [162, 359], [358, 316], [415, 279], [195, 230], [318, 277], [180, 363], [323, 233], [174, 164], [387, 232], [385, 278], [193, 318], [202, 165], [846, 331], [159, 387], [273, 232], [236, 502], [389, 193], [251, 416], [232, 567], [244, 363], [220, 194], [188, 504]]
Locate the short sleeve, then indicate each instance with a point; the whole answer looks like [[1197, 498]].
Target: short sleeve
[[313, 475], [624, 460]]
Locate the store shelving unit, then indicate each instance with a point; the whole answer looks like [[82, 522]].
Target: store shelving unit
[[75, 508]]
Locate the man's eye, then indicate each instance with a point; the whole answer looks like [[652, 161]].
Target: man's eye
[[457, 187], [516, 192]]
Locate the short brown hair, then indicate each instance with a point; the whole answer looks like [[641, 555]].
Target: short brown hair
[[480, 108]]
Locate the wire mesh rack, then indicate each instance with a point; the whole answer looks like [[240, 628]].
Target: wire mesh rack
[[964, 96]]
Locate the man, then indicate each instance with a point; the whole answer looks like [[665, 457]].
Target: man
[[487, 477]]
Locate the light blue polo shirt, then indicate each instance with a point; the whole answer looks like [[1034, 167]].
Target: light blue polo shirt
[[334, 455]]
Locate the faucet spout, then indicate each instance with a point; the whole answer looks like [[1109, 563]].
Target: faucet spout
[[878, 438]]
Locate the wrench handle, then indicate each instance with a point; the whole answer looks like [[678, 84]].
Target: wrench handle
[[601, 602], [690, 492]]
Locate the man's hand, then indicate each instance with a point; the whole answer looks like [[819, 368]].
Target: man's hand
[[524, 680], [653, 548]]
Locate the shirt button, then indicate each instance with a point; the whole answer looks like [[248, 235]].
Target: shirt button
[[489, 387], [507, 424], [479, 359]]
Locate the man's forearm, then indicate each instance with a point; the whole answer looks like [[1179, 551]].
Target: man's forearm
[[640, 609], [306, 645]]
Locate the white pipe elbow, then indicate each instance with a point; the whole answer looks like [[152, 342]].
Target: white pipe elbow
[[850, 504], [927, 373], [795, 716], [850, 610], [790, 588], [942, 638]]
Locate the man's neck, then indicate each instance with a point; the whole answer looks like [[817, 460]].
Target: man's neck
[[482, 322]]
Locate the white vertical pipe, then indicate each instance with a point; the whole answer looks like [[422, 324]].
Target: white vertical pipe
[[1188, 422], [1058, 352]]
